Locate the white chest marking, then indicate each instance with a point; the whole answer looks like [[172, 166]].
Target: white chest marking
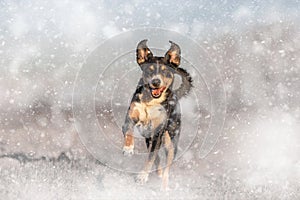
[[153, 115]]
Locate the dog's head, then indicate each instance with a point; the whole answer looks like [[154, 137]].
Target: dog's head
[[158, 72]]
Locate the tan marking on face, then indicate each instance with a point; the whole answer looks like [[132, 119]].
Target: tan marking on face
[[163, 67], [168, 81], [152, 67]]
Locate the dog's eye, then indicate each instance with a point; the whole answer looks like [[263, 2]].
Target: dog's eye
[[169, 75], [149, 70]]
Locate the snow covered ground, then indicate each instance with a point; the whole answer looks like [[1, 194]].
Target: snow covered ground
[[255, 47]]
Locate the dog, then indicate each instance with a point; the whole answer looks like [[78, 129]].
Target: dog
[[154, 111]]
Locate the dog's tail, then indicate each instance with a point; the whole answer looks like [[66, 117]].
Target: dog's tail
[[186, 83]]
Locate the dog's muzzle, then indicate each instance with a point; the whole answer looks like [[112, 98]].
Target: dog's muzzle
[[156, 92]]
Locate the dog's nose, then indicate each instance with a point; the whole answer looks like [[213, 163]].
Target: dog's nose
[[155, 82]]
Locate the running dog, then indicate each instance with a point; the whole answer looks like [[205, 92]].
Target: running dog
[[154, 111]]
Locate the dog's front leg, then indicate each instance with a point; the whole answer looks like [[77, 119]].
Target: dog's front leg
[[154, 148], [127, 130], [135, 114]]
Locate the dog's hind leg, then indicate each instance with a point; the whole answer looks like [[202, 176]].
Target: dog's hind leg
[[154, 146], [157, 159], [169, 148]]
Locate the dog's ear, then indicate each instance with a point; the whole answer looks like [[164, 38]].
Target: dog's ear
[[143, 53], [173, 54]]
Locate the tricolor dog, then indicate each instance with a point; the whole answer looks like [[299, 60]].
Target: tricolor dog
[[154, 111]]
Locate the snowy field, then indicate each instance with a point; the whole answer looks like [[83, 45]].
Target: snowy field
[[254, 48]]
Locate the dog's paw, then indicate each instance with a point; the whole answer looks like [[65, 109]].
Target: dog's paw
[[164, 188], [142, 178], [128, 150]]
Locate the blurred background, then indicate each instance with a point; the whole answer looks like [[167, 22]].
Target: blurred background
[[255, 46]]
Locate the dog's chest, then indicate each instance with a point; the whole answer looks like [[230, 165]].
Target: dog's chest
[[151, 115], [157, 111]]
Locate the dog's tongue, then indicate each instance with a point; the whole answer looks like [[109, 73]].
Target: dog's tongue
[[157, 92]]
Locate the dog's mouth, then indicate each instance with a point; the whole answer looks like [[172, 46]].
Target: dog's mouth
[[156, 92]]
